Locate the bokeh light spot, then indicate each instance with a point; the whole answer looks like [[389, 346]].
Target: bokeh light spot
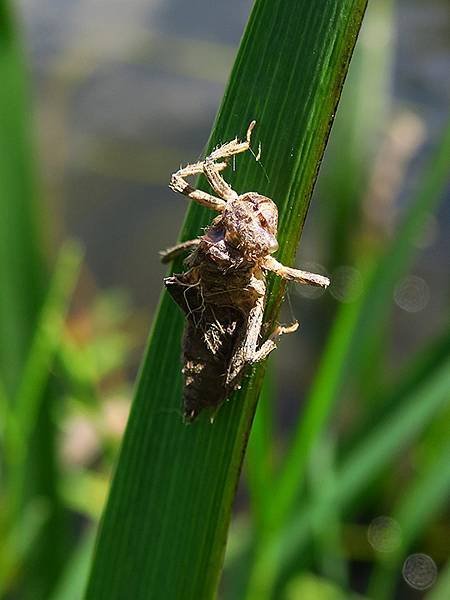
[[346, 284], [308, 291], [412, 294], [419, 571], [384, 534]]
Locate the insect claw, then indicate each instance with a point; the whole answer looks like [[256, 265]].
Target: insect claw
[[189, 416], [250, 129], [290, 328]]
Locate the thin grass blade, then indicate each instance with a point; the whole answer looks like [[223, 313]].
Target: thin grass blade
[[22, 273], [23, 416]]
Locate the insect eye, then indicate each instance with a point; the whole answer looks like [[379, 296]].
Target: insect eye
[[263, 220]]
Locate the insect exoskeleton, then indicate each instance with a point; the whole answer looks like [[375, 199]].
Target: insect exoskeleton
[[250, 223], [222, 292]]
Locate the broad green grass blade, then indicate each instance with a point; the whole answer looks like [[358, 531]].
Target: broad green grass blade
[[368, 459], [164, 528]]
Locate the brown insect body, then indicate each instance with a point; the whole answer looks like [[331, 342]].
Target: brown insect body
[[223, 291], [224, 283]]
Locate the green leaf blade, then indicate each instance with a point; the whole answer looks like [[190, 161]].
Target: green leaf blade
[[164, 529]]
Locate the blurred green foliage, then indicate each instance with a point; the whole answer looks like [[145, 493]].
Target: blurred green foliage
[[371, 439]]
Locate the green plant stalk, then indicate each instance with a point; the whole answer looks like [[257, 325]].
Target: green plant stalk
[[164, 528]]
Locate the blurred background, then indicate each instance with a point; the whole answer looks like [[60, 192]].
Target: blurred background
[[102, 102]]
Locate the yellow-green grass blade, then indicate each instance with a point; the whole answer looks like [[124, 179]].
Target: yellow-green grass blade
[[19, 541], [164, 528]]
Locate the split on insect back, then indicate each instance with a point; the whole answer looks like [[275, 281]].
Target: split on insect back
[[222, 292]]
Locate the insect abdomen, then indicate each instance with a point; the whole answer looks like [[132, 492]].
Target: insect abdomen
[[208, 347]]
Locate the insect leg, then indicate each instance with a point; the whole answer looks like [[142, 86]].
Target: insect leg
[[246, 348], [179, 184], [171, 253], [270, 343], [233, 147], [271, 264], [211, 170], [218, 183]]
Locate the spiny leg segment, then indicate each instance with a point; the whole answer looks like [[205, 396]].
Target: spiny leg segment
[[305, 277], [171, 253], [248, 351], [211, 169]]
